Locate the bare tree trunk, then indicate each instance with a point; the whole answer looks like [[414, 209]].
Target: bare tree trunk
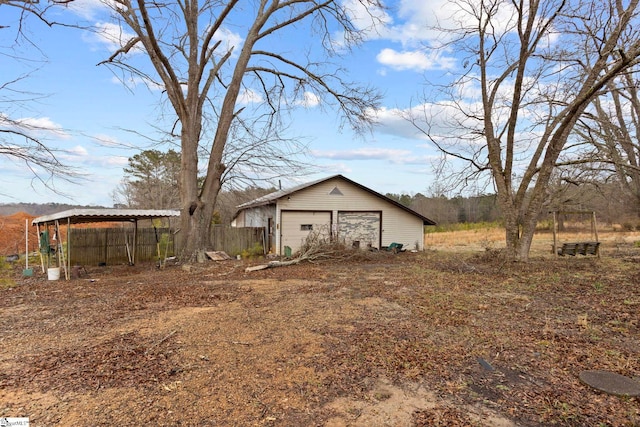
[[512, 235], [526, 237], [195, 225], [194, 235], [198, 204], [196, 221]]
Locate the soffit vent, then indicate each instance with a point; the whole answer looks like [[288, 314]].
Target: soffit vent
[[336, 192]]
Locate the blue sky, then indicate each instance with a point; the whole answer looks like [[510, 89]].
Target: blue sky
[[90, 114]]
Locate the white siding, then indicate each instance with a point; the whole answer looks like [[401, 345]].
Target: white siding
[[255, 217], [398, 226]]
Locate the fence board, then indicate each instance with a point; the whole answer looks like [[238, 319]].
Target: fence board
[[93, 246], [235, 240]]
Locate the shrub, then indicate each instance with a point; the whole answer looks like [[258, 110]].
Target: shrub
[[628, 226], [256, 251], [6, 281]]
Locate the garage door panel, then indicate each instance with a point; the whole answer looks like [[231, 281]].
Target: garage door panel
[[361, 227], [296, 226]]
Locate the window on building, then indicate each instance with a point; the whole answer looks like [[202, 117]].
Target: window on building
[[306, 227]]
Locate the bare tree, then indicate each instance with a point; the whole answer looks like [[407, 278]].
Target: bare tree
[[20, 142], [535, 67], [256, 156], [610, 131], [185, 44], [35, 8], [23, 140], [228, 201]]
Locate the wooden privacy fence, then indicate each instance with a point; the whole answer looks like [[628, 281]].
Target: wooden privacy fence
[[94, 246], [235, 240]]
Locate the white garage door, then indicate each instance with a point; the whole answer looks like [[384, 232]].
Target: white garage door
[[296, 226], [360, 227]]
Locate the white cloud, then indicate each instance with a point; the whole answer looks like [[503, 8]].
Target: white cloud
[[309, 100], [370, 22], [414, 21], [229, 40], [417, 20], [88, 9], [389, 155], [249, 96], [440, 120], [107, 141], [336, 168], [40, 127], [79, 151], [392, 121], [95, 160], [111, 37], [414, 60], [363, 154], [75, 155], [366, 18], [115, 161]]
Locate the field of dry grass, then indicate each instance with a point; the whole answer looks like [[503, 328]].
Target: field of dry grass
[[478, 240]]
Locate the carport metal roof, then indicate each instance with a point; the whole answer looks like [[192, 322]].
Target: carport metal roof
[[79, 216]]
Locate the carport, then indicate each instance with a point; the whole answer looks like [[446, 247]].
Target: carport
[[83, 216]]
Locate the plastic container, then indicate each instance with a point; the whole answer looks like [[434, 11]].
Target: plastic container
[[53, 273]]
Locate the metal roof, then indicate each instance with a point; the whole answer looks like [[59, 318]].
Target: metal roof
[[76, 216], [272, 197], [276, 195]]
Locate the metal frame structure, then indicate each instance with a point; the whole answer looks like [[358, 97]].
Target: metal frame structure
[[83, 216]]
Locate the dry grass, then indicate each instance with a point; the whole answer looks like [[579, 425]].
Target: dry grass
[[472, 241], [394, 340]]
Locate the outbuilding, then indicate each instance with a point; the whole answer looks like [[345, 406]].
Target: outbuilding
[[337, 208]]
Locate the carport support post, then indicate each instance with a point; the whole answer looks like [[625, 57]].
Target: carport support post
[[135, 241], [60, 255], [67, 273], [40, 246]]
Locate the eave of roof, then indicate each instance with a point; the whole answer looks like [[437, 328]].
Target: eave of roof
[[273, 197], [77, 216]]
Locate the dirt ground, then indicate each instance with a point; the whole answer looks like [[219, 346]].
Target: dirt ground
[[413, 339]]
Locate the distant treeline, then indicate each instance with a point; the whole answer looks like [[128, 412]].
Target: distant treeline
[[444, 210], [611, 205], [38, 209]]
